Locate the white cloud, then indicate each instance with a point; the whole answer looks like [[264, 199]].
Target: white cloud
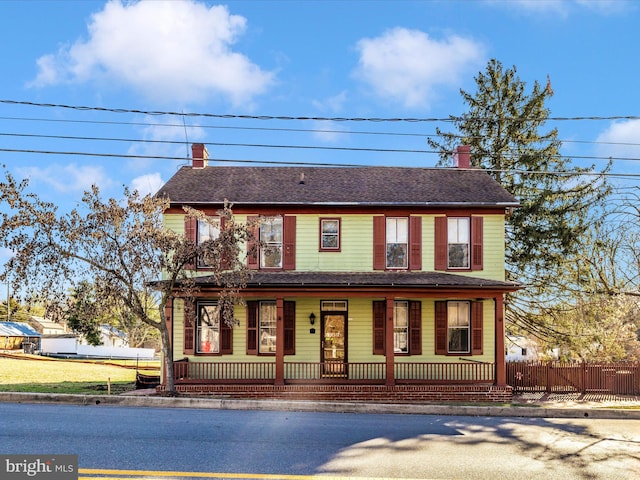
[[147, 184], [67, 178], [180, 51], [620, 139], [406, 66]]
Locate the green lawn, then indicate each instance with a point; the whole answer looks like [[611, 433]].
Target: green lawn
[[47, 375]]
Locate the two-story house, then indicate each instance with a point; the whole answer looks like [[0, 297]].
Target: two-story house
[[379, 283]]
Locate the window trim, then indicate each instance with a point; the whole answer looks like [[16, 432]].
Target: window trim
[[414, 249], [414, 327], [322, 248], [476, 328], [467, 243], [476, 243], [200, 263], [405, 265]]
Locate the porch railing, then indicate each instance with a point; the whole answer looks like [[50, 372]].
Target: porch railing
[[330, 372]]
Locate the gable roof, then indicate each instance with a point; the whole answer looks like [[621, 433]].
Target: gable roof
[[17, 329], [336, 186]]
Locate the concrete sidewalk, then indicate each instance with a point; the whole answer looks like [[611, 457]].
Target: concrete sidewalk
[[523, 405]]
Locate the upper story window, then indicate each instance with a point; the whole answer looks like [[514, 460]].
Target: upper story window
[[459, 243], [397, 242], [271, 237], [459, 238], [330, 234], [207, 230], [277, 236]]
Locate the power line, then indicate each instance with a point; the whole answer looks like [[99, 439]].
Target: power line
[[451, 118], [320, 164]]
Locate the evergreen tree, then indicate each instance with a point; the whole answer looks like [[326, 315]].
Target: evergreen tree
[[505, 128]]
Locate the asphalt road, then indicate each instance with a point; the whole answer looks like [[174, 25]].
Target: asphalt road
[[276, 444]]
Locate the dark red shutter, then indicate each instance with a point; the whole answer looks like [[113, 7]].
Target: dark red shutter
[[441, 240], [476, 327], [379, 243], [476, 243], [289, 237], [252, 244], [189, 328], [225, 260], [252, 328], [441, 328], [415, 243], [379, 314], [191, 232], [289, 328], [415, 328], [226, 339]]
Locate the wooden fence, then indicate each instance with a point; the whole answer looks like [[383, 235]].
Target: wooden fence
[[556, 377]]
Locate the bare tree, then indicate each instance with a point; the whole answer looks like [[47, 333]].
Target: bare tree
[[122, 248]]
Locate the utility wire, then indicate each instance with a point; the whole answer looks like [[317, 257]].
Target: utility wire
[[306, 118]]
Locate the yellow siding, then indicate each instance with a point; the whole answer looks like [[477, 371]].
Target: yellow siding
[[356, 253]]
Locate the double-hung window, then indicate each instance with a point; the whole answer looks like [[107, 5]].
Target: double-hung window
[[458, 327], [397, 241], [459, 239], [330, 234], [207, 230], [208, 328], [271, 238], [267, 327], [401, 327], [459, 243], [407, 327], [262, 327]]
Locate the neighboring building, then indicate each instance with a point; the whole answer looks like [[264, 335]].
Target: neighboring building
[[524, 349], [46, 326], [18, 335], [377, 282]]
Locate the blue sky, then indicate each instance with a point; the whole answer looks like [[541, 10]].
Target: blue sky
[[241, 60]]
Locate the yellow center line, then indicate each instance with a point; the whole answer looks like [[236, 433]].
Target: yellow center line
[[100, 474]]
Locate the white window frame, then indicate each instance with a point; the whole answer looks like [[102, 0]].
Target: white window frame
[[396, 242], [271, 235], [332, 236], [267, 321], [207, 230], [458, 325], [401, 326], [208, 328], [459, 243]]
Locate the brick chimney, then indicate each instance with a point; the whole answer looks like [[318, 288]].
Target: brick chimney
[[462, 156], [200, 155]]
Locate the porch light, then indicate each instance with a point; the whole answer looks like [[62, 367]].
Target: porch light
[[312, 318]]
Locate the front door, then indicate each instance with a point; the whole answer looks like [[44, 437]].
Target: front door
[[334, 343]]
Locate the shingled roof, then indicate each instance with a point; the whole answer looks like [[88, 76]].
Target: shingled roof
[[422, 280], [336, 186]]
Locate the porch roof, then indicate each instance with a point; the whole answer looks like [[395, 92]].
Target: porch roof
[[430, 280]]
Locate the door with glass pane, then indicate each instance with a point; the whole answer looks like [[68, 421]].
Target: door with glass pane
[[334, 343]]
